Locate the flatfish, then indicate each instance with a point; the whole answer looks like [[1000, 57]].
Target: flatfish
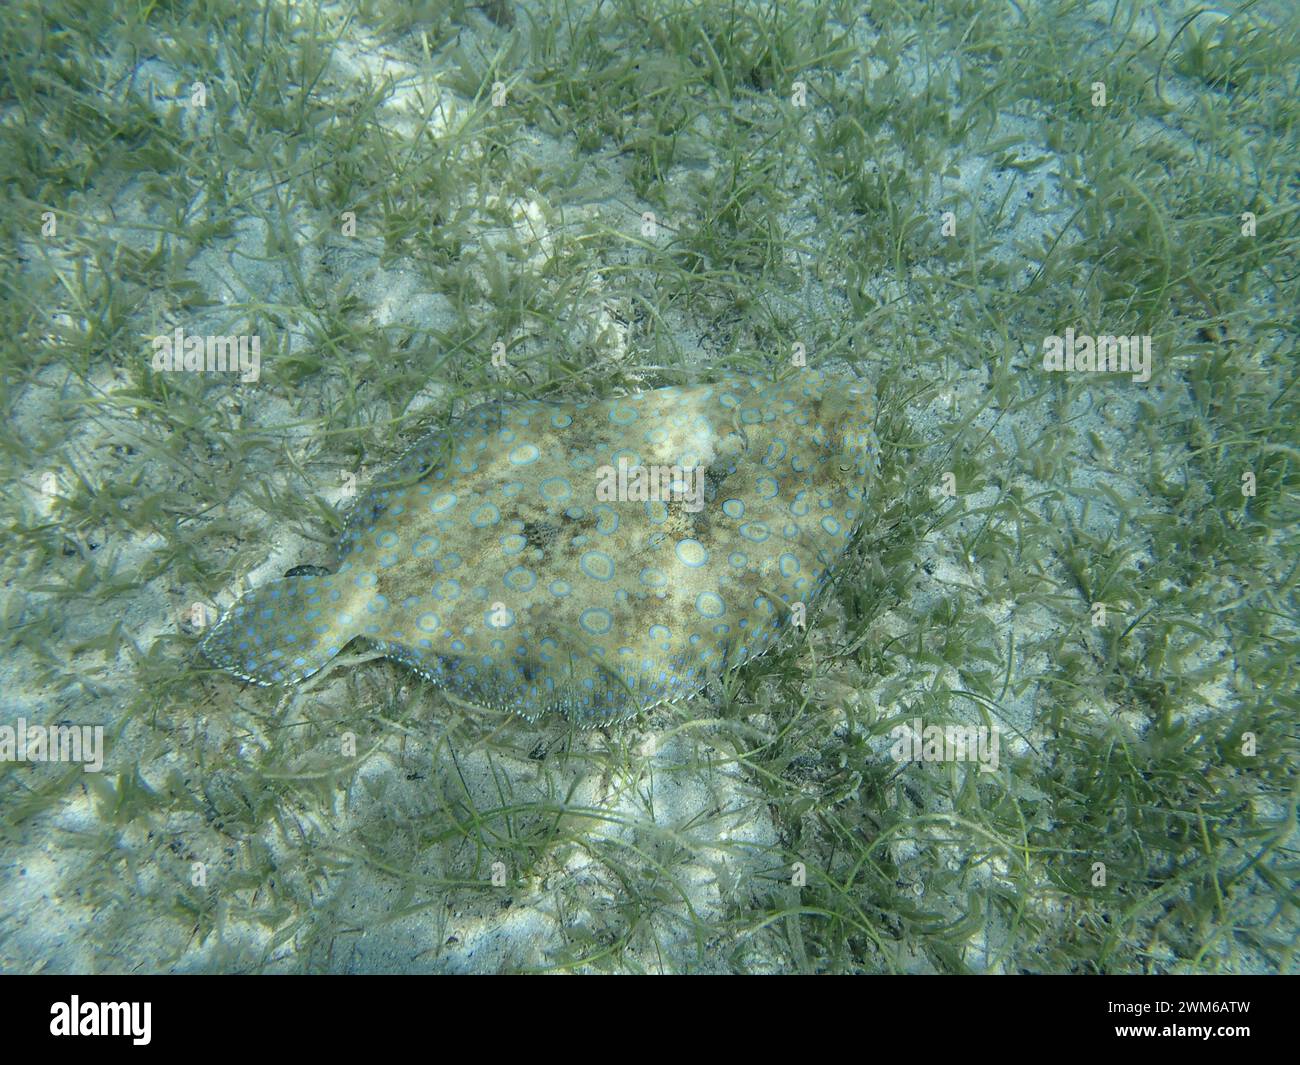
[[588, 558]]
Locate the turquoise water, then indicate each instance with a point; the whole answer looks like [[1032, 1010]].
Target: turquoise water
[[1042, 718]]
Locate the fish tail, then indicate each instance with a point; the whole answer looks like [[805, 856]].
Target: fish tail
[[281, 632]]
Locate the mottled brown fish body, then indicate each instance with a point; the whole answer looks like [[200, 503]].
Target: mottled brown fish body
[[589, 559]]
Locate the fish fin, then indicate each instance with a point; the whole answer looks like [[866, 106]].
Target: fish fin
[[279, 633]]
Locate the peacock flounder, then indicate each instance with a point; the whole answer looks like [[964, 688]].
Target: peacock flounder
[[585, 558]]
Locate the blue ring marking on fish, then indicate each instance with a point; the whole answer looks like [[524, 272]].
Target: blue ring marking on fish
[[607, 523], [556, 489], [692, 553], [560, 589], [425, 545], [710, 605], [597, 565], [485, 515], [520, 579], [524, 455]]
